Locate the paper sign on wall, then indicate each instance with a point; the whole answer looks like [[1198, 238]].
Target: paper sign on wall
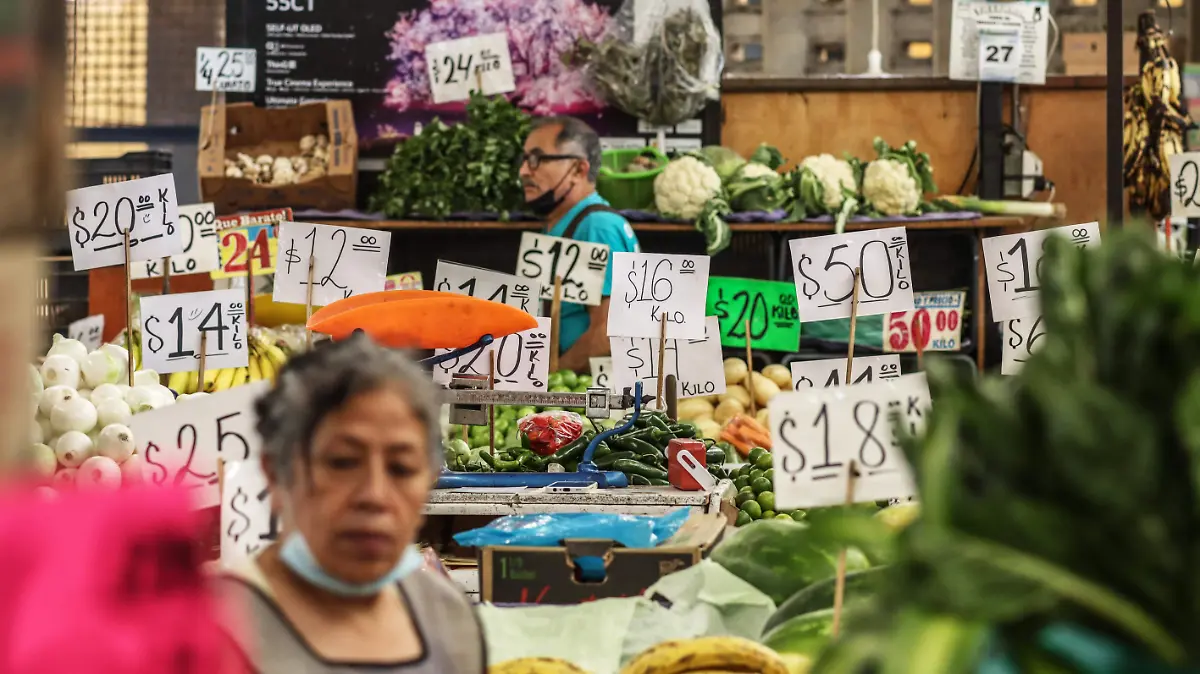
[[171, 327], [522, 360], [98, 217], [451, 277], [830, 372], [769, 306], [824, 266], [1014, 267], [975, 21], [478, 63], [198, 227], [222, 69], [247, 524], [649, 288], [349, 261], [582, 266], [696, 363]]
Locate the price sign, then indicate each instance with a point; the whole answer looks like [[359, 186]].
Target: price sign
[[976, 25], [1014, 267], [88, 330], [648, 288], [581, 265], [696, 363], [249, 237], [409, 280], [999, 54], [770, 306], [247, 524], [1021, 337], [220, 69], [479, 63], [1178, 227], [602, 368], [198, 227], [171, 327], [522, 361], [349, 261], [1185, 185], [99, 216], [936, 321], [829, 372], [824, 270], [816, 434], [490, 285], [180, 445]]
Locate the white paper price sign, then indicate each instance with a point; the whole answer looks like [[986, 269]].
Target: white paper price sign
[[1178, 243], [479, 63], [696, 363], [580, 264], [522, 360], [1014, 267], [247, 524], [649, 288], [171, 327], [977, 25], [934, 324], [1185, 185], [221, 69], [830, 372], [99, 216], [451, 277], [824, 266], [1022, 336], [180, 444], [88, 330], [349, 261], [817, 434], [201, 253], [602, 367]]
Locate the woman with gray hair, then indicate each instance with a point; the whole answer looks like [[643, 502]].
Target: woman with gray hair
[[351, 448]]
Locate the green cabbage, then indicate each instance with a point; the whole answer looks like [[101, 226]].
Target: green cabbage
[[756, 187], [726, 162]]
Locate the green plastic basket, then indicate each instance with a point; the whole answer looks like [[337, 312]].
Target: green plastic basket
[[628, 191]]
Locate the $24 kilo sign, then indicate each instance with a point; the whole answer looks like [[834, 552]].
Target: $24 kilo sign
[[769, 306], [99, 217], [249, 237], [824, 272], [172, 324], [1014, 267], [582, 266], [649, 288], [934, 324]]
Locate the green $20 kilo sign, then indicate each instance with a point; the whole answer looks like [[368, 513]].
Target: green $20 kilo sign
[[770, 306]]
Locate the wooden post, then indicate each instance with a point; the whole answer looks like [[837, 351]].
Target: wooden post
[[839, 587], [250, 287], [129, 310], [166, 286], [662, 357], [221, 481], [853, 326], [555, 323], [492, 408], [750, 371], [308, 303], [916, 336], [203, 361]]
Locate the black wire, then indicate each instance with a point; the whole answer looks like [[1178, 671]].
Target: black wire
[[975, 157]]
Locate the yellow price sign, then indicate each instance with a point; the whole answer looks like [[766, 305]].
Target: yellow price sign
[[249, 238]]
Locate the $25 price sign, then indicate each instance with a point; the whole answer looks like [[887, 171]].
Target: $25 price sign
[[934, 324], [198, 227], [522, 360], [582, 266], [171, 327], [816, 434], [247, 524], [180, 444], [1020, 335], [351, 261], [829, 372], [770, 306], [100, 216], [1014, 267], [648, 287], [221, 69], [696, 363], [451, 277], [824, 272]]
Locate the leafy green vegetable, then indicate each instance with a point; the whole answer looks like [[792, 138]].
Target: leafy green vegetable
[[711, 223], [756, 187], [768, 155], [724, 161]]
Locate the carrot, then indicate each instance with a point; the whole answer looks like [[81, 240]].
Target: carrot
[[355, 301], [744, 433], [433, 320]]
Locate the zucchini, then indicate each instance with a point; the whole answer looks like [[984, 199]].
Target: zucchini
[[632, 467], [635, 479], [819, 596]]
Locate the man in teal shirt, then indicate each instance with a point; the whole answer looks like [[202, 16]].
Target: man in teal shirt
[[558, 172]]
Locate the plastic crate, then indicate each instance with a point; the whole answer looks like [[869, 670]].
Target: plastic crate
[[632, 191], [130, 166]]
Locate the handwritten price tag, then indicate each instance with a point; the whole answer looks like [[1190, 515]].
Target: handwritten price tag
[[99, 216], [250, 236], [349, 261], [491, 285], [696, 363], [581, 265], [824, 270], [1185, 183], [936, 320], [221, 69], [409, 280], [247, 524], [1014, 267], [816, 434], [171, 327], [770, 306], [829, 372], [458, 67], [198, 227], [1021, 337], [180, 444], [88, 330], [602, 368], [522, 361], [646, 286]]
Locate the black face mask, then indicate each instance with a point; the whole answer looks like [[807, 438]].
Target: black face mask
[[545, 203]]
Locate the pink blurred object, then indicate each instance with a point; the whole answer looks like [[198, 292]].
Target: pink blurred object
[[107, 583], [433, 562]]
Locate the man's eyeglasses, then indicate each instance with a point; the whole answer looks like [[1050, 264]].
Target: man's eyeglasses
[[535, 159]]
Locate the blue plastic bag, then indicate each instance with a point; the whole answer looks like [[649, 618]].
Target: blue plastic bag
[[549, 529]]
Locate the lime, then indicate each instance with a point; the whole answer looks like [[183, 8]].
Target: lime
[[569, 379], [746, 490], [767, 500], [552, 409], [743, 496], [761, 485], [741, 481], [559, 388], [770, 475], [555, 379], [752, 509], [768, 515], [755, 453], [585, 380], [526, 411], [765, 461], [743, 518], [744, 470], [799, 515], [783, 516], [756, 473]]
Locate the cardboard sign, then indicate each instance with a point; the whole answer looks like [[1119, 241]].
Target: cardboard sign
[[580, 264], [1022, 336], [98, 217], [493, 286], [649, 288], [522, 360], [247, 524], [829, 372], [696, 363], [478, 63], [770, 306], [936, 320], [89, 331], [1014, 267], [222, 69], [250, 236], [1185, 185], [602, 367], [349, 261], [171, 327], [198, 227], [823, 267]]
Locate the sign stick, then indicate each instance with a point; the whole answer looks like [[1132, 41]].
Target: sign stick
[[129, 310], [203, 361], [308, 292], [662, 357], [853, 325], [166, 287], [839, 587], [220, 480], [250, 289], [918, 342], [479, 80], [749, 370], [555, 322], [492, 408]]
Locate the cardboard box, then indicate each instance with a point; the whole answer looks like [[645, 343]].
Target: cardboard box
[[1084, 53], [546, 575], [226, 130]]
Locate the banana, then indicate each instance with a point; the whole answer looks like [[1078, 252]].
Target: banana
[[275, 355], [536, 666], [255, 372], [178, 381], [224, 379], [266, 368], [210, 381], [193, 382], [240, 376], [711, 653]]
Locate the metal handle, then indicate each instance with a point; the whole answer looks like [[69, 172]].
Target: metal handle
[[586, 463]]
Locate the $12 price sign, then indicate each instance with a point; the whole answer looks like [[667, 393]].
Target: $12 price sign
[[1014, 267], [770, 306], [581, 265], [936, 321], [816, 434], [221, 69], [522, 360], [451, 277], [247, 524], [351, 261], [180, 444], [1020, 335], [646, 286], [696, 363], [824, 272], [171, 327], [458, 67], [829, 372], [1185, 185], [100, 216], [198, 227]]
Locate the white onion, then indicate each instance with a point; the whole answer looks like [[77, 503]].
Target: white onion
[[60, 370], [72, 348], [48, 434], [101, 368], [115, 442], [35, 381], [165, 394], [64, 478], [132, 471], [41, 460], [143, 398], [52, 397], [73, 414], [112, 411], [118, 353], [35, 432], [106, 392], [145, 378], [85, 393], [73, 448], [99, 472]]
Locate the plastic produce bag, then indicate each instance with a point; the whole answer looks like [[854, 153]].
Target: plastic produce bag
[[548, 431], [589, 635], [549, 529], [661, 64]]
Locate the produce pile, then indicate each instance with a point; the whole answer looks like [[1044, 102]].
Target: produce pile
[[507, 435], [755, 482], [708, 655], [724, 416], [310, 162], [267, 355]]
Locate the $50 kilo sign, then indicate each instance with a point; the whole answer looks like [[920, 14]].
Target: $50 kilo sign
[[934, 324]]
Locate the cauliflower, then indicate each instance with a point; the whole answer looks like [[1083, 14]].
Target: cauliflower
[[684, 187], [756, 170], [836, 177], [890, 188]]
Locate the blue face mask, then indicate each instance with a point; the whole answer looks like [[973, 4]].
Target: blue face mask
[[296, 555]]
